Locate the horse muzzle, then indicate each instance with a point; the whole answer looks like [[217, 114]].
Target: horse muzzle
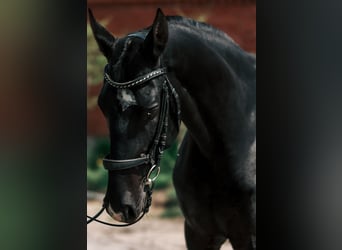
[[127, 213]]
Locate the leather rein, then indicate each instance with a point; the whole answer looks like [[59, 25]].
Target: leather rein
[[154, 154]]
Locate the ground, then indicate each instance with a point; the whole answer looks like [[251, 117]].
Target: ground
[[151, 233]]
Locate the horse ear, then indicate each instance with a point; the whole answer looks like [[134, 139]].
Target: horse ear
[[156, 39], [103, 38]]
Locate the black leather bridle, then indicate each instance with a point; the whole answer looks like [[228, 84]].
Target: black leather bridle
[[154, 154]]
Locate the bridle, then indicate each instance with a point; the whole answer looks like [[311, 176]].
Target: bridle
[[154, 154]]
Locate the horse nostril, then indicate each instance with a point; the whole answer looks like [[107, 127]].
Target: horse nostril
[[129, 212]]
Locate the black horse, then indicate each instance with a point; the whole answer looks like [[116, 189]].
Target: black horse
[[174, 64]]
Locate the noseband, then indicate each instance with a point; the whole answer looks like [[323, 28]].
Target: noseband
[[154, 154]]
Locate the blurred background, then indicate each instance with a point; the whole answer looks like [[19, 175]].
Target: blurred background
[[237, 19]]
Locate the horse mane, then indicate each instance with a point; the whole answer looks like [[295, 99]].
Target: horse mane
[[200, 28], [218, 41]]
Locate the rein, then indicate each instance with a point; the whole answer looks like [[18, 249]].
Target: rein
[[154, 154]]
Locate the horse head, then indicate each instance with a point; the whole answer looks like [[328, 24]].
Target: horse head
[[139, 103]]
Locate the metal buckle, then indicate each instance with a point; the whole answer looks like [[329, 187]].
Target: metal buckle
[[149, 181]]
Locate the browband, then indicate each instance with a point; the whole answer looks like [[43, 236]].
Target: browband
[[137, 81]]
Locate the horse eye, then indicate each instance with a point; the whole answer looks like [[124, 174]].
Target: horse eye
[[151, 113]]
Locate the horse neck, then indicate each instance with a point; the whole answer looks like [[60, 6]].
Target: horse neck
[[212, 96]]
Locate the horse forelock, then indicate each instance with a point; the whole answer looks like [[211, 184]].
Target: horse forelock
[[117, 66]]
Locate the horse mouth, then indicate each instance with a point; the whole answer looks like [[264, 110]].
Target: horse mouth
[[116, 216]]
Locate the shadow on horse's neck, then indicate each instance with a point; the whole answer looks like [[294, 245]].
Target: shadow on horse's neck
[[192, 118], [212, 97]]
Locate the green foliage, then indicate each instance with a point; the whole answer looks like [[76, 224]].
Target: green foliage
[[171, 207], [97, 149], [96, 179], [96, 174]]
